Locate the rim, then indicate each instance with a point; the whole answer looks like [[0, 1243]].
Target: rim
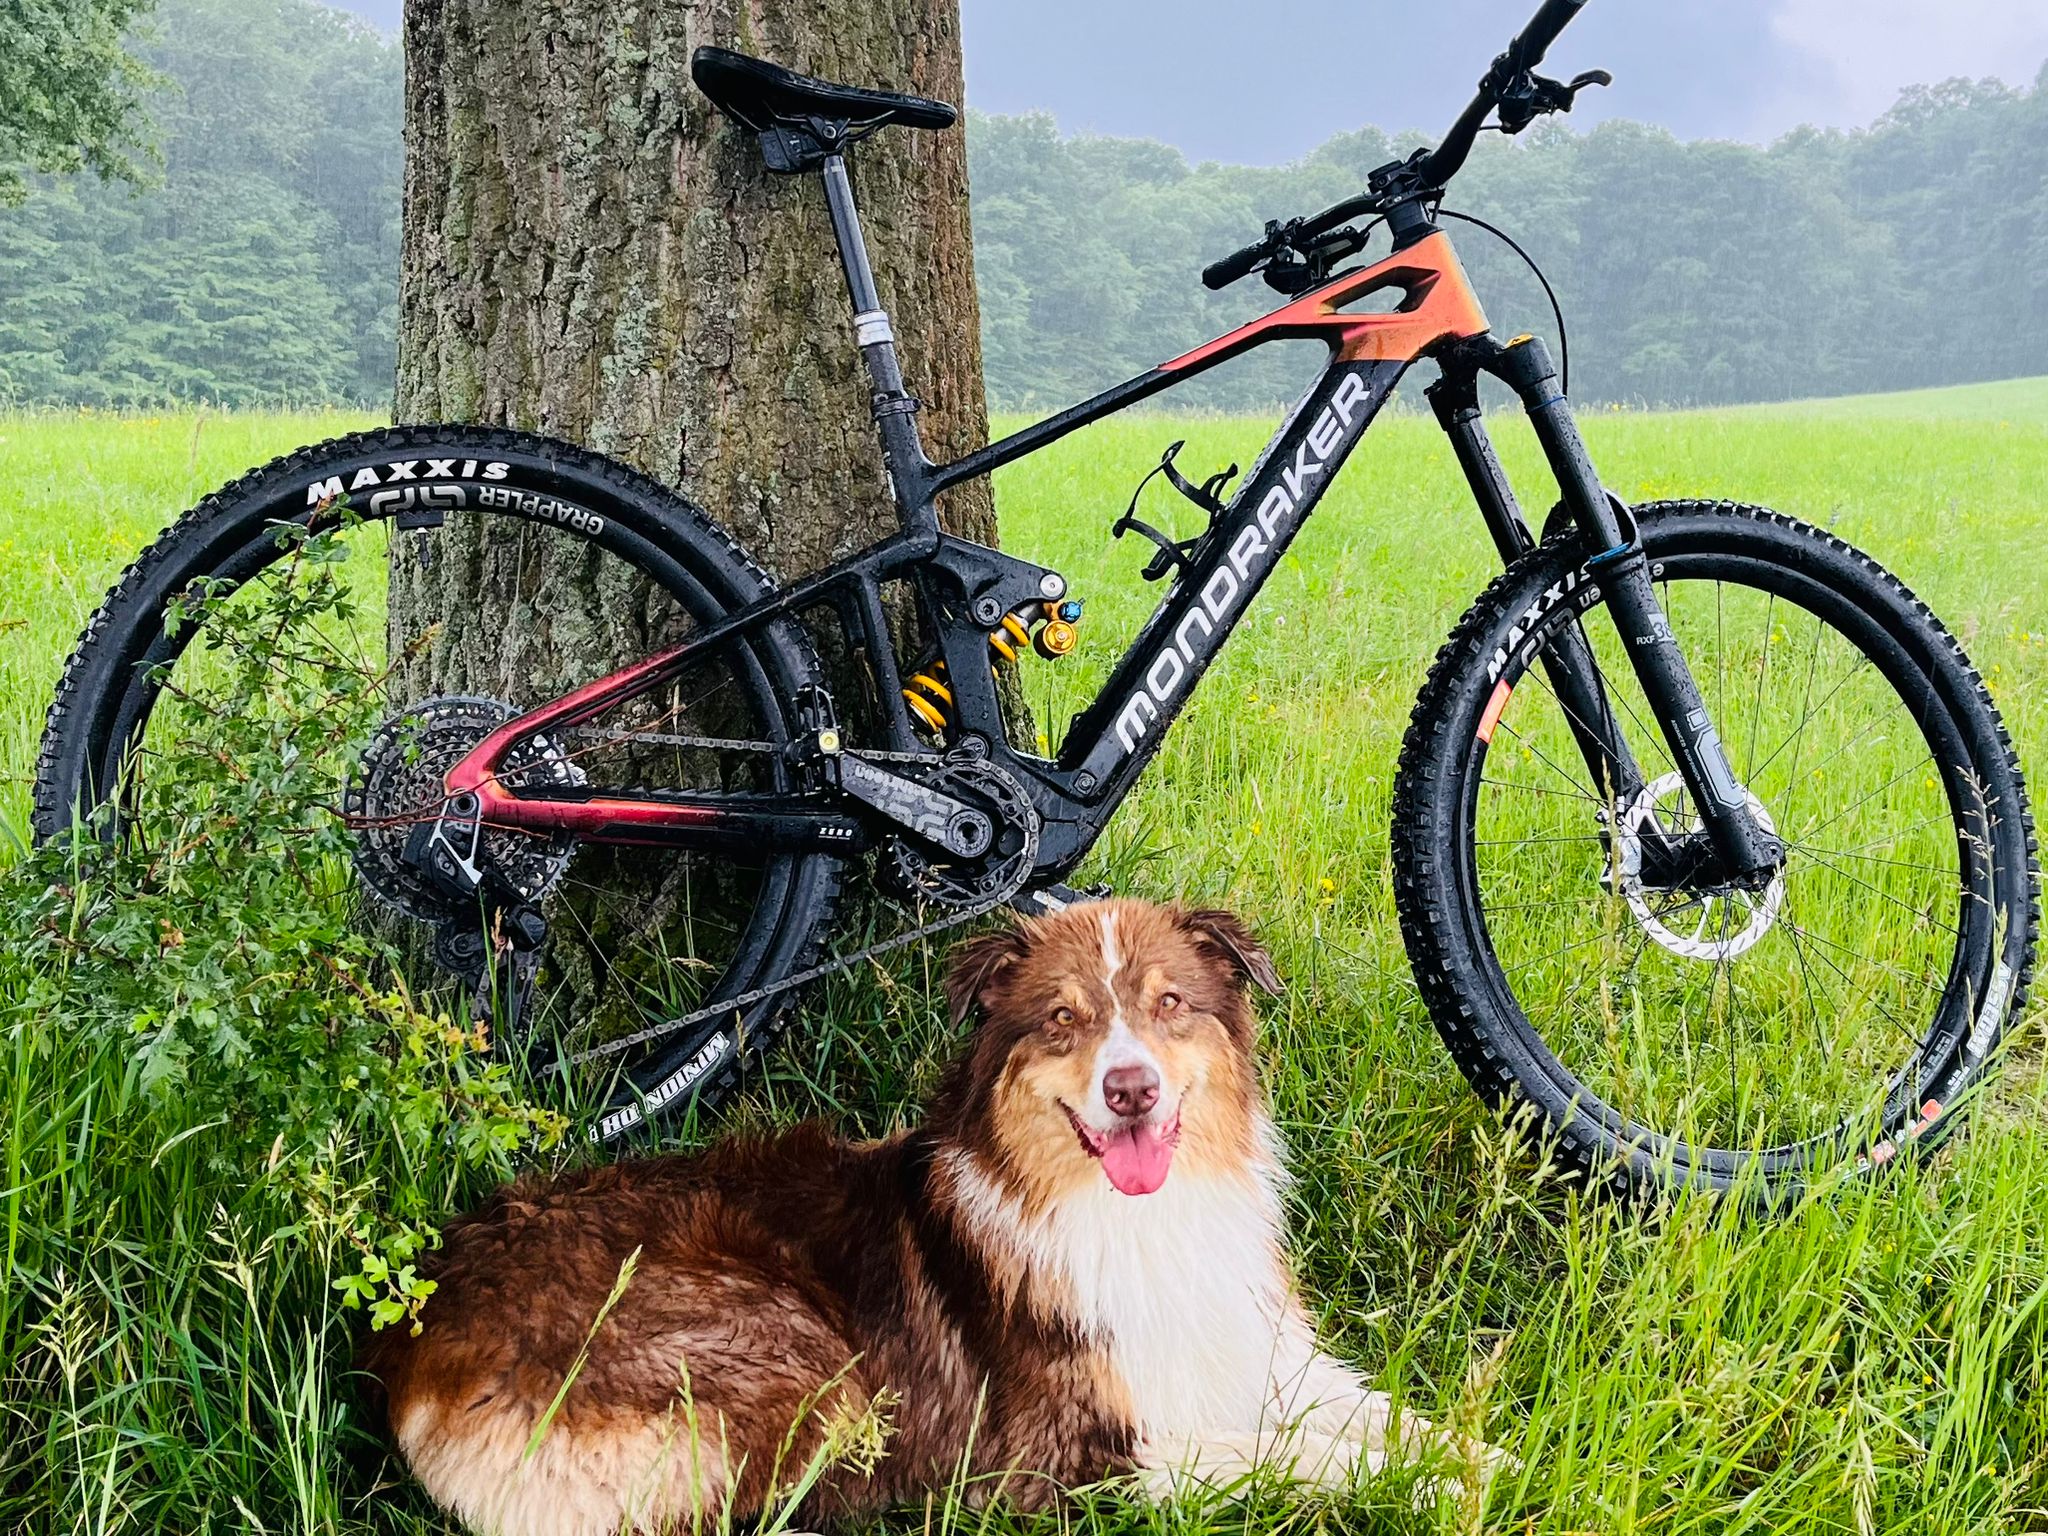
[[1839, 1019]]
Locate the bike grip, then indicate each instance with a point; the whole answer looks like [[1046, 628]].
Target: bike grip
[[1221, 274], [1534, 40]]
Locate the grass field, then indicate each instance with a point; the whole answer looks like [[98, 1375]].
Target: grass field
[[171, 1355]]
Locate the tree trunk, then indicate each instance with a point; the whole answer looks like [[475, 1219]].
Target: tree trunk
[[591, 251]]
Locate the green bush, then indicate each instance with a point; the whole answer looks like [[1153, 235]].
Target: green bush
[[269, 1057]]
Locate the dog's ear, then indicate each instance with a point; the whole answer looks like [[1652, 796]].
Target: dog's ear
[[1226, 933], [974, 965]]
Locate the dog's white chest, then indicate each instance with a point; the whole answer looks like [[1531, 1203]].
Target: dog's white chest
[[1186, 1291]]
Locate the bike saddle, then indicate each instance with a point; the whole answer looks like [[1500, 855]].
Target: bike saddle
[[761, 95]]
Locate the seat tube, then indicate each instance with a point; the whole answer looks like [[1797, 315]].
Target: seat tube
[[1622, 569], [894, 407]]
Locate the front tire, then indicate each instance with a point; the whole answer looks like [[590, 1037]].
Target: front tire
[[1673, 1037]]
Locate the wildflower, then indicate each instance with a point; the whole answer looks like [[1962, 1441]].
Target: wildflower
[[1258, 829], [1329, 886]]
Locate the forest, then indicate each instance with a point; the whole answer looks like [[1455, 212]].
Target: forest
[[259, 266]]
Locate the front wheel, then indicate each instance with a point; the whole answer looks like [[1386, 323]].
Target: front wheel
[[1672, 1033]]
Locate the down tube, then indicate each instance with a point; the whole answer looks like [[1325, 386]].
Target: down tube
[[1121, 730]]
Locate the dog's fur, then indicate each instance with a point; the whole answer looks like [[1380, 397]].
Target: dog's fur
[[978, 1285]]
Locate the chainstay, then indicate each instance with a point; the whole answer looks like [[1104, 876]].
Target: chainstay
[[1027, 859]]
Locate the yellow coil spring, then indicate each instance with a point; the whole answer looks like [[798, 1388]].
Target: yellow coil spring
[[1005, 640], [923, 683], [931, 700]]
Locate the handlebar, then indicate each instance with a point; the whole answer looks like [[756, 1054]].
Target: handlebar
[[1425, 171], [1525, 52], [1221, 274], [1534, 40]]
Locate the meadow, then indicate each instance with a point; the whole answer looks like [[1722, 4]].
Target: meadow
[[173, 1352]]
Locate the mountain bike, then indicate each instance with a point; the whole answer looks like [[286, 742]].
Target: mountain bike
[[1711, 854]]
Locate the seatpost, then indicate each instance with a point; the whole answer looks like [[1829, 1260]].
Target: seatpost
[[892, 405]]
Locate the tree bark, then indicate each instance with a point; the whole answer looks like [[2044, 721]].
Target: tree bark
[[593, 252]]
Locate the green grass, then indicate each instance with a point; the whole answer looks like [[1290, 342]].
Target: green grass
[[1874, 1360]]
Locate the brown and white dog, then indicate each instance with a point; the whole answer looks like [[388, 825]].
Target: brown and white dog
[[1073, 1271]]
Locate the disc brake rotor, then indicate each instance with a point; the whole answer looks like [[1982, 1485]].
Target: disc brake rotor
[[1711, 924], [399, 781]]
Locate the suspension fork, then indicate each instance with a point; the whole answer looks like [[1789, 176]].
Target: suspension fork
[[1568, 660], [1744, 851]]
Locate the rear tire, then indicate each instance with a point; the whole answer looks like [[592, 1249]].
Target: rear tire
[[113, 680], [1610, 1034]]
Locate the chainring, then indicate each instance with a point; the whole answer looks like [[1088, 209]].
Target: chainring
[[400, 781], [918, 874]]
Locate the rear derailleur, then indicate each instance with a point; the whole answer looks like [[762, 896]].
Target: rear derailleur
[[488, 936]]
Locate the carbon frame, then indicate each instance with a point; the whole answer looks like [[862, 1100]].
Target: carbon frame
[[964, 587]]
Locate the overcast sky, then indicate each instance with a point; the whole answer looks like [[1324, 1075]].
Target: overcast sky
[[1263, 81]]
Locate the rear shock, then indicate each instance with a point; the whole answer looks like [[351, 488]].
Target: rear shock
[[1050, 629]]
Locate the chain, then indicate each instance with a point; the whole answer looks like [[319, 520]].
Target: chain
[[599, 738], [1026, 859]]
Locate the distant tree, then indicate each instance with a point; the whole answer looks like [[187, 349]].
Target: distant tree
[[264, 268], [70, 91]]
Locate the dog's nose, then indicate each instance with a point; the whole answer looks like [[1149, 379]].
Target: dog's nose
[[1130, 1090]]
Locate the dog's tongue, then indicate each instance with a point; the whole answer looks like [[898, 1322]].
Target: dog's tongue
[[1136, 1158]]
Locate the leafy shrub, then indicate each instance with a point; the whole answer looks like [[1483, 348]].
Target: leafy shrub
[[216, 940]]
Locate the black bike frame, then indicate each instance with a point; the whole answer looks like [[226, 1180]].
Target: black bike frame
[[965, 588]]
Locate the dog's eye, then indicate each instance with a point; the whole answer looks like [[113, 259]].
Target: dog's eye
[[1062, 1018], [1168, 1001]]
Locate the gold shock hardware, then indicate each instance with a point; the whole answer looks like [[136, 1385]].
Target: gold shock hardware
[[1051, 629], [1055, 639]]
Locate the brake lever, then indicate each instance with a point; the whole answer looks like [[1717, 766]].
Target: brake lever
[[1296, 268], [1529, 96]]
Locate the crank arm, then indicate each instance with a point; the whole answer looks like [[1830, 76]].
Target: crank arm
[[929, 815]]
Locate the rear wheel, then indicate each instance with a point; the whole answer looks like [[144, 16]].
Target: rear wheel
[[261, 615], [1667, 1032]]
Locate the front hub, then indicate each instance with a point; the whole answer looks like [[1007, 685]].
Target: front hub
[[1672, 884]]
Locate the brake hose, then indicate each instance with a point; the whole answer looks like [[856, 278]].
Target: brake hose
[[1564, 344]]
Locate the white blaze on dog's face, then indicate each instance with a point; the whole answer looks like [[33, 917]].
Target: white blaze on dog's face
[[1115, 1042]]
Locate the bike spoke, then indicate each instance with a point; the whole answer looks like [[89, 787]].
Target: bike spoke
[[1947, 928], [1548, 761]]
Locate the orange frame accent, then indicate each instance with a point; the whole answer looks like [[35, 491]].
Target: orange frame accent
[[1439, 306]]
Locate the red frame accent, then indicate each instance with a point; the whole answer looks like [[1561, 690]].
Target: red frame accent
[[1439, 306], [596, 819]]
